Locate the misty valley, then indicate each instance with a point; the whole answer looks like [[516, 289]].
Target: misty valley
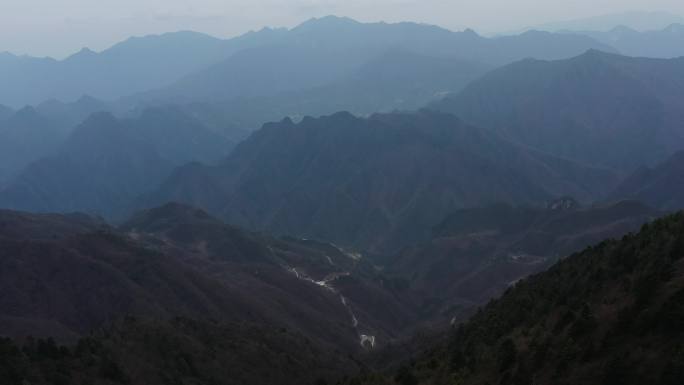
[[347, 202]]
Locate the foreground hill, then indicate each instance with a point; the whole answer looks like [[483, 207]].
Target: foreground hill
[[609, 315], [69, 115], [377, 183], [661, 186], [175, 293], [598, 108], [155, 352], [64, 276]]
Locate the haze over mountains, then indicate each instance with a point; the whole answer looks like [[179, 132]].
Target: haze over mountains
[[131, 66], [660, 185], [661, 43], [321, 51], [640, 21], [192, 66], [597, 108], [372, 182], [107, 162], [339, 201]]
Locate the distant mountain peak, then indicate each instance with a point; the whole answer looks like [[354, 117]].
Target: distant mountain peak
[[27, 110], [675, 28], [185, 34], [536, 32], [623, 29], [327, 22], [28, 114], [471, 33], [98, 127], [85, 52], [85, 98], [594, 54], [640, 21], [343, 115]]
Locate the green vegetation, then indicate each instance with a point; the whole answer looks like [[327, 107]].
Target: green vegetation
[[612, 314], [180, 351]]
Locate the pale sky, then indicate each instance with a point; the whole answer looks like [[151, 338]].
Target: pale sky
[[60, 27]]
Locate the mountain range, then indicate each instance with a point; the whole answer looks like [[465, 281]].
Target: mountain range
[[583, 124], [377, 183], [660, 186], [25, 136], [598, 108], [188, 65], [131, 66], [637, 20], [482, 211], [661, 43], [105, 163], [173, 292], [321, 51], [392, 81]]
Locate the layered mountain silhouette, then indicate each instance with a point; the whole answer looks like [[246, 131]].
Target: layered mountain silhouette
[[154, 230], [5, 112], [598, 108], [307, 55], [661, 186], [71, 114], [637, 20], [378, 183], [579, 322], [135, 65], [26, 136], [661, 43], [107, 162], [323, 51], [393, 81]]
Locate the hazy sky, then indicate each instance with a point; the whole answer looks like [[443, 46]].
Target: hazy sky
[[59, 27]]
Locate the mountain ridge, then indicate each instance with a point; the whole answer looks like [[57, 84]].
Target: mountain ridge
[[315, 165], [575, 108], [106, 162]]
